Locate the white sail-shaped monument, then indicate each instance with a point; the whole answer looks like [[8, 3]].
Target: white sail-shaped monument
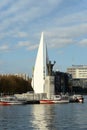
[[40, 69]]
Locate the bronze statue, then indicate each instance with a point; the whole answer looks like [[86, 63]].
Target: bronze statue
[[50, 68]]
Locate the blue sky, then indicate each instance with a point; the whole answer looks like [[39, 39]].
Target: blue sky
[[64, 23]]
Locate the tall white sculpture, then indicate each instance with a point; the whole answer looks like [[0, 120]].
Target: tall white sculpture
[[40, 69]]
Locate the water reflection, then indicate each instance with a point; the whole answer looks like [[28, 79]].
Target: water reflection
[[14, 117], [70, 116], [57, 117], [81, 116], [43, 117]]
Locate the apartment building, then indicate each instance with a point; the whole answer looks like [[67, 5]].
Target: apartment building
[[79, 75], [78, 71]]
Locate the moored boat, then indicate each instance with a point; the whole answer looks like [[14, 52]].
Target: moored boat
[[55, 99], [10, 100], [76, 98]]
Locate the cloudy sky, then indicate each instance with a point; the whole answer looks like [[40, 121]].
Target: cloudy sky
[[64, 23]]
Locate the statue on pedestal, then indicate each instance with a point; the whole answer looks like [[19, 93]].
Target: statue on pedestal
[[50, 68]]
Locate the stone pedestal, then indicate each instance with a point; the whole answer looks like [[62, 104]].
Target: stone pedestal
[[49, 86]]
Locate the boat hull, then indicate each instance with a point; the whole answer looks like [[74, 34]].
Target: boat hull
[[10, 100], [10, 103], [53, 101], [46, 102]]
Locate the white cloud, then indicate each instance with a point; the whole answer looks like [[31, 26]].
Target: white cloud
[[4, 48], [32, 47], [72, 18], [73, 31], [22, 21], [23, 43], [20, 34], [61, 36], [27, 45], [60, 42], [21, 15], [4, 3], [20, 12], [83, 42]]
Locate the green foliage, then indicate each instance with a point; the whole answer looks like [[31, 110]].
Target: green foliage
[[13, 84]]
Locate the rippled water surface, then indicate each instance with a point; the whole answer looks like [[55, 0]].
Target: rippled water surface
[[72, 116]]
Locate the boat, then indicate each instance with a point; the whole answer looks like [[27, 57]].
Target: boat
[[46, 101], [55, 99], [10, 100], [76, 98]]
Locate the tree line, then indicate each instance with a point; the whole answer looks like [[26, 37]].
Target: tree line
[[12, 84]]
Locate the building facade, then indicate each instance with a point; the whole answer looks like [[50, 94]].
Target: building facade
[[78, 71], [62, 83], [79, 75]]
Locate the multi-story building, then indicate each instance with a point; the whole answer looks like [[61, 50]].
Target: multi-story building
[[79, 75], [61, 82], [78, 71]]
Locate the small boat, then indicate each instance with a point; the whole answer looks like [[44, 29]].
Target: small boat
[[10, 100], [76, 98], [55, 99]]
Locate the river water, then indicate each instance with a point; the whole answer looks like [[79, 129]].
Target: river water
[[72, 116]]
